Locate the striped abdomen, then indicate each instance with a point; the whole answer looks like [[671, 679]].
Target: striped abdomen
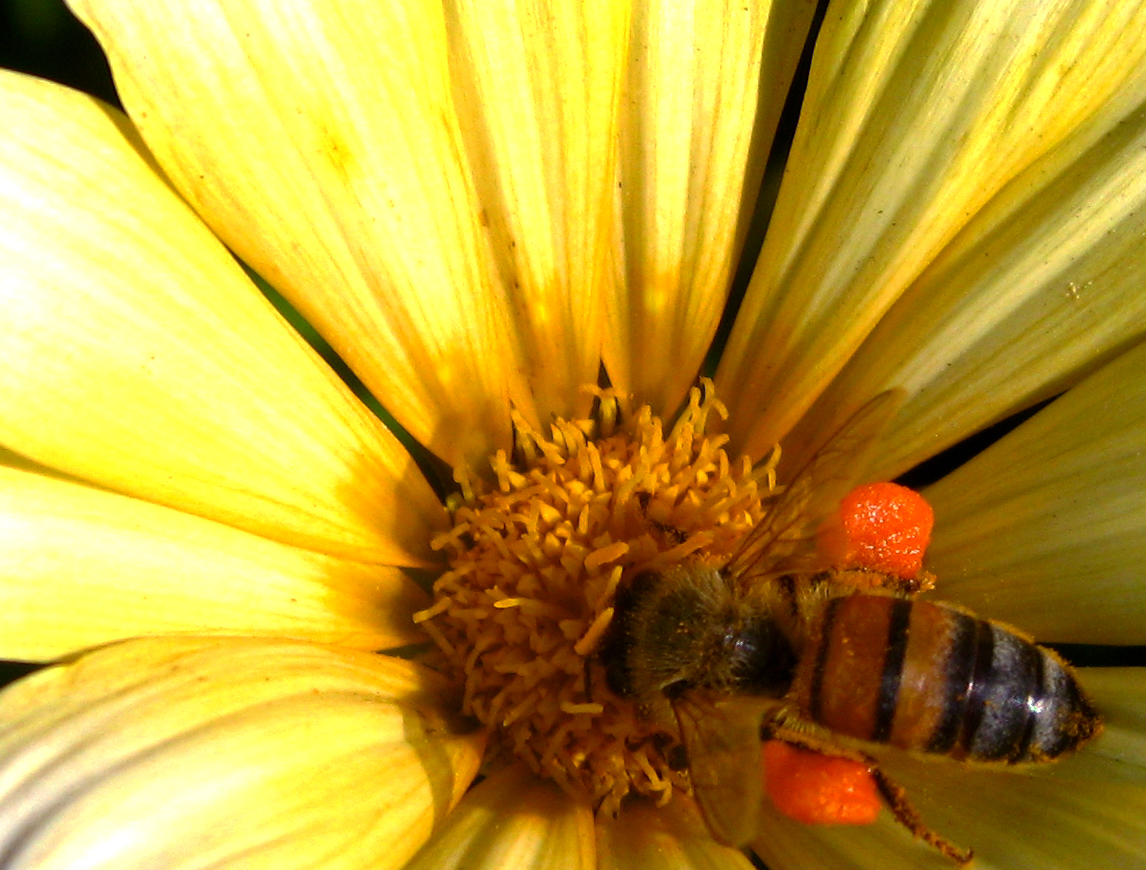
[[928, 677]]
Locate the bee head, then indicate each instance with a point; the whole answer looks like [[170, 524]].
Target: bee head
[[763, 661]]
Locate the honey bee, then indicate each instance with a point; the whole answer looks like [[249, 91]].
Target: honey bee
[[774, 643]]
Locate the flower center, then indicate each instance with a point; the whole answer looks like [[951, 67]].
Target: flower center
[[535, 562]]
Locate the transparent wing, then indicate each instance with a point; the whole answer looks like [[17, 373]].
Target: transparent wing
[[784, 541], [722, 737]]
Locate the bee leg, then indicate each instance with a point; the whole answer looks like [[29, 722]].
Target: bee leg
[[909, 587], [894, 796]]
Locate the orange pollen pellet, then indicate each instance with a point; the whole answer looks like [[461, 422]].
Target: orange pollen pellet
[[819, 789], [882, 527]]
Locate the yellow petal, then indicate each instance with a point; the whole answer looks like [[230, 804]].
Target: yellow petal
[[673, 837], [319, 141], [231, 753], [514, 820], [82, 567], [916, 115], [138, 355], [1040, 288], [538, 85], [704, 90], [1047, 528]]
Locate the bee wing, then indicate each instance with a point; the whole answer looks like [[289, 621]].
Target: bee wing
[[784, 541], [722, 738]]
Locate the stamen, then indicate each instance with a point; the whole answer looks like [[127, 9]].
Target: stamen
[[573, 709], [588, 641]]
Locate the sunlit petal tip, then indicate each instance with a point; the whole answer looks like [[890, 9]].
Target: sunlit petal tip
[[142, 358], [513, 820], [183, 575], [673, 837], [320, 142], [237, 753]]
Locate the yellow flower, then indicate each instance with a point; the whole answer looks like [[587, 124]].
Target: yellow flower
[[480, 206]]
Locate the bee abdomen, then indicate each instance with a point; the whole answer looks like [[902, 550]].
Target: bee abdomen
[[931, 678]]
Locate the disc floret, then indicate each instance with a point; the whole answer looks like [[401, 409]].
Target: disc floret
[[536, 556]]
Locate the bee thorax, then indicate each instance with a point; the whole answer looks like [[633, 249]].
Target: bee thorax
[[686, 628]]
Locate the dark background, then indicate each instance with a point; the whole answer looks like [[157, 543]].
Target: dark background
[[43, 38]]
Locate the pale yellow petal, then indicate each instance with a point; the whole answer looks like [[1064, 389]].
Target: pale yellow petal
[[537, 85], [1047, 528], [1119, 754], [180, 753], [1085, 811], [1041, 287], [704, 90], [82, 567], [916, 115], [673, 837], [138, 355], [320, 142], [788, 845], [1080, 812], [514, 820]]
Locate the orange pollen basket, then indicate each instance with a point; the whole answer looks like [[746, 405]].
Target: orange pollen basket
[[887, 528], [819, 789]]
